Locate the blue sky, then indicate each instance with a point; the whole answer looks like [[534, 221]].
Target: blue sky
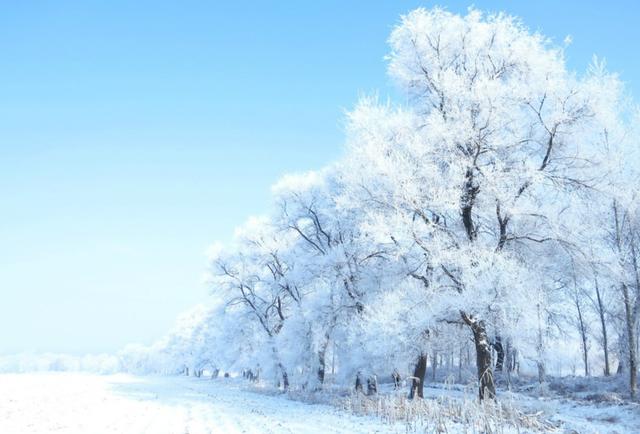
[[134, 134]]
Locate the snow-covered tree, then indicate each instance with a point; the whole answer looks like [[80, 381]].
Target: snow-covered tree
[[482, 205], [478, 172]]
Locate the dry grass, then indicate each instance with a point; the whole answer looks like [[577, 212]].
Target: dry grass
[[457, 412], [447, 414]]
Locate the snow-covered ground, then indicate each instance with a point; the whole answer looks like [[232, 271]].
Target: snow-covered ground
[[73, 403]]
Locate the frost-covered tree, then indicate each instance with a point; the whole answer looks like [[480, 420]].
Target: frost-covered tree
[[477, 173], [481, 206], [626, 245], [252, 279], [339, 264]]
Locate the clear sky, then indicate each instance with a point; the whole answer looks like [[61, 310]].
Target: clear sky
[[134, 134]]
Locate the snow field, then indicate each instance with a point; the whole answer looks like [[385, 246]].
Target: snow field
[[73, 403]]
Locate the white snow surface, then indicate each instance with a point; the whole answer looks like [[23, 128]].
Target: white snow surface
[[82, 403], [74, 403]]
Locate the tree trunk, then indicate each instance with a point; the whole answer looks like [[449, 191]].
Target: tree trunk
[[321, 369], [460, 365], [434, 365], [540, 349], [603, 326], [542, 372], [321, 361], [635, 310], [285, 377], [631, 341], [487, 388], [507, 357], [499, 353], [396, 379], [333, 359], [372, 385], [630, 323], [358, 382], [419, 372], [510, 355], [583, 336]]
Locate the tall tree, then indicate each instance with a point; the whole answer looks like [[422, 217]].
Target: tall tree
[[497, 137]]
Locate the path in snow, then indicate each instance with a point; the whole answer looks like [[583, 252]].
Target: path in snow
[[72, 403]]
